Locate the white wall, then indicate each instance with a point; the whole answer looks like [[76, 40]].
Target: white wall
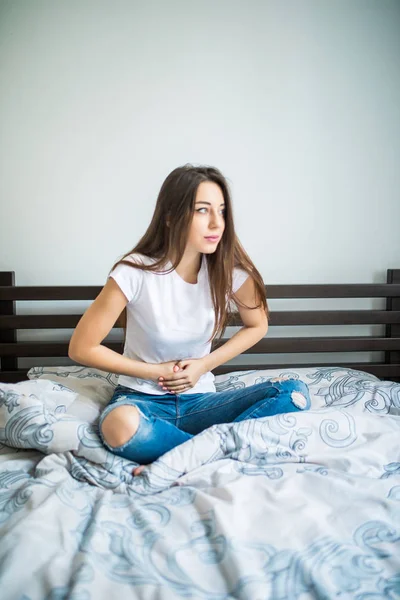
[[296, 101]]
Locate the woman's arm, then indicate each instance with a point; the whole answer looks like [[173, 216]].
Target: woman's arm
[[96, 323], [255, 327]]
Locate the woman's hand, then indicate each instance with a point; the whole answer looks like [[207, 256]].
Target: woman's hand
[[184, 376], [163, 369]]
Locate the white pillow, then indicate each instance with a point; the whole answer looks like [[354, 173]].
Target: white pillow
[[328, 385], [94, 387], [28, 399]]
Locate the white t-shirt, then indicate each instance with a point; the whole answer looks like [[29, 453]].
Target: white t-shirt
[[167, 319]]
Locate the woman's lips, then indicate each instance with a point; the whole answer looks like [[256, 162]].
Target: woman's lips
[[212, 238]]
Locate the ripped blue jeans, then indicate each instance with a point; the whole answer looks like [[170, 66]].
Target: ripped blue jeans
[[167, 420]]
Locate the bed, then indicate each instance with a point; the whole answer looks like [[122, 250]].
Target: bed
[[295, 506]]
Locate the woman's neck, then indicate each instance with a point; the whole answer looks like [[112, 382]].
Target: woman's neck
[[189, 267]]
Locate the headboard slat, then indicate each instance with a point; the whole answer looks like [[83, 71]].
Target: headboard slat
[[264, 346], [294, 291], [277, 318]]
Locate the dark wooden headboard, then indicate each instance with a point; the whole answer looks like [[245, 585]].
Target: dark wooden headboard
[[389, 343]]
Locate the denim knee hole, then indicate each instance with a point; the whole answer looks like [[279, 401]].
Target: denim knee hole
[[121, 446], [299, 400]]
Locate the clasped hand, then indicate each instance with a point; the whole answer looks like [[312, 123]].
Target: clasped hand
[[180, 376]]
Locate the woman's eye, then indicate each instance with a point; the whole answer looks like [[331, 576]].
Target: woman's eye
[[222, 210]]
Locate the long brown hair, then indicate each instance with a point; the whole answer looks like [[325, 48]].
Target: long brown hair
[[175, 206]]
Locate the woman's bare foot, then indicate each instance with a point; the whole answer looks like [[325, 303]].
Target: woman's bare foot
[[138, 470]]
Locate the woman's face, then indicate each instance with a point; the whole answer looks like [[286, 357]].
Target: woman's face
[[208, 222]]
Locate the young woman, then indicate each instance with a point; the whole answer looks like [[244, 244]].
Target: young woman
[[176, 287]]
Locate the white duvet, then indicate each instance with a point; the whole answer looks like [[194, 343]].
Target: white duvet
[[296, 506]]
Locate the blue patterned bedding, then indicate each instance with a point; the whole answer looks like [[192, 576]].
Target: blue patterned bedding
[[296, 506]]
